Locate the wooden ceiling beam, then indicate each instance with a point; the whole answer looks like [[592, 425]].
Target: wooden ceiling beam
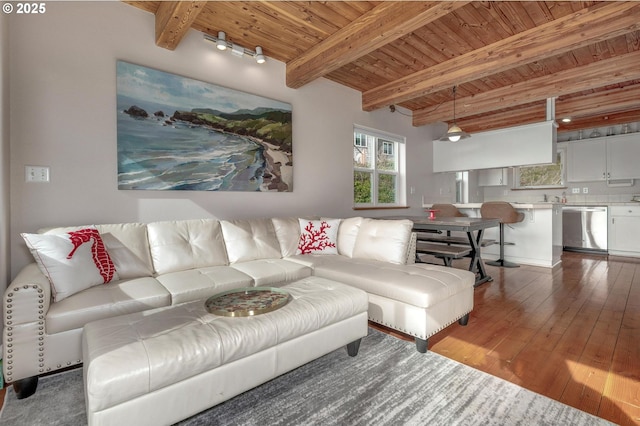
[[601, 103], [173, 20], [592, 110], [380, 26], [598, 74], [499, 120], [602, 120], [586, 27]]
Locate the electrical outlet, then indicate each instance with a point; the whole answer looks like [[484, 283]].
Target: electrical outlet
[[36, 174], [575, 190], [585, 190]]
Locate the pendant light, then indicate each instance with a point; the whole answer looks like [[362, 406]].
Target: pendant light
[[455, 133]]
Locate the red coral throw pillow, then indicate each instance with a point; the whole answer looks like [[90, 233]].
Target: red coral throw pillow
[[73, 261], [318, 236]]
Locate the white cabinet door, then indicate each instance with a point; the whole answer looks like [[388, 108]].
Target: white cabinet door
[[623, 156], [587, 160], [492, 177], [624, 229]]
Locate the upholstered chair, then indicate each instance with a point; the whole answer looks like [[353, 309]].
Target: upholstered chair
[[446, 210], [507, 214]]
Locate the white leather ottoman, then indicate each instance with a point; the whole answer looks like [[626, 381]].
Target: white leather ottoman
[[164, 365]]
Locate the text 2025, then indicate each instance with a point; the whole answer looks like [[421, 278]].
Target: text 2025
[[30, 8]]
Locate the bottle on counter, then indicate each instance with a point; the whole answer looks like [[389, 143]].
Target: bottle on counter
[[564, 198]]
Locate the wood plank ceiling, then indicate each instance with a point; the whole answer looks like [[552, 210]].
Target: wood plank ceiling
[[505, 57]]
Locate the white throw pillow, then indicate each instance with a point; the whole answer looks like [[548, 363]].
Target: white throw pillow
[[73, 261], [318, 236]]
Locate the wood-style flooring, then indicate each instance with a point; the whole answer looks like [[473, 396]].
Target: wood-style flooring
[[571, 333]]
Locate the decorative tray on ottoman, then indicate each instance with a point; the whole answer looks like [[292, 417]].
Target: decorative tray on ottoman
[[248, 301]]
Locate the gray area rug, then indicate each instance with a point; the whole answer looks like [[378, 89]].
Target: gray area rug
[[388, 383]]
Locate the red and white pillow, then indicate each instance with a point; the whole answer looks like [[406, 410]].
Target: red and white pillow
[[318, 236], [73, 261]]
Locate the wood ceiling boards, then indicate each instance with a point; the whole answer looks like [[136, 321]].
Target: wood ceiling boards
[[506, 58]]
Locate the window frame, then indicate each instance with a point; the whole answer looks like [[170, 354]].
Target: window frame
[[397, 144], [562, 151]]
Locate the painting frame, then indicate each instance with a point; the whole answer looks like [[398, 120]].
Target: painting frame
[[180, 133]]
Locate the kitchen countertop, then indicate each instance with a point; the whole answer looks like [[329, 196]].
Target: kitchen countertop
[[596, 203], [542, 205], [539, 205]]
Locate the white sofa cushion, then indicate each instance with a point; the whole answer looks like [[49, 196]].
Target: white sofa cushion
[[194, 284], [186, 244], [273, 272], [420, 285], [347, 234], [288, 233], [128, 245], [384, 240], [250, 240], [106, 301]]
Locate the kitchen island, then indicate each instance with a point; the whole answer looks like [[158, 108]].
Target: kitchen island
[[537, 239]]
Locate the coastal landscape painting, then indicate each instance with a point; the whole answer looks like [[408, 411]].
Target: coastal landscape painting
[[177, 133]]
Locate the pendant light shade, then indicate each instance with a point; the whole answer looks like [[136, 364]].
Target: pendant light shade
[[455, 133]]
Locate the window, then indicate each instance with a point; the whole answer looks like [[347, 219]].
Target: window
[[545, 176], [378, 169]]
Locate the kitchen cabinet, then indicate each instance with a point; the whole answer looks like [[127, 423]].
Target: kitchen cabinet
[[601, 159], [623, 152], [586, 160], [624, 228], [492, 177]]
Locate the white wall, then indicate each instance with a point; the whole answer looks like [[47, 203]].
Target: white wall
[[63, 115]]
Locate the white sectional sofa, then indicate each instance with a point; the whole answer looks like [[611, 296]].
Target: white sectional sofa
[[169, 263]]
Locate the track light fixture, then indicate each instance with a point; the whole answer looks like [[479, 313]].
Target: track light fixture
[[235, 49], [259, 56], [221, 42], [455, 133]]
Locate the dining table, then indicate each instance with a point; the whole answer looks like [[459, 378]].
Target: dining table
[[473, 227]]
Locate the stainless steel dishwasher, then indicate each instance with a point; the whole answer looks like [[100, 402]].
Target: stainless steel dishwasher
[[584, 228]]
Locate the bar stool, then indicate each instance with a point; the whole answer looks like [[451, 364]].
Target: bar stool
[[507, 214], [447, 210]]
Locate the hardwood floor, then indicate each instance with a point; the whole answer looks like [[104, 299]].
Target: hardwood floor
[[571, 333]]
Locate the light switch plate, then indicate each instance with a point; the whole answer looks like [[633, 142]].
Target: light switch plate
[[36, 174]]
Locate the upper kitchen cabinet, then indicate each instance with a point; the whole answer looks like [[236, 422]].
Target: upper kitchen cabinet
[[600, 159], [623, 153], [586, 160], [492, 177]]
